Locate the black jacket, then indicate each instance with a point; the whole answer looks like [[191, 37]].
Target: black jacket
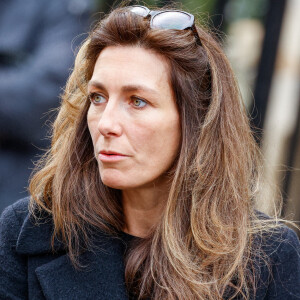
[[30, 270]]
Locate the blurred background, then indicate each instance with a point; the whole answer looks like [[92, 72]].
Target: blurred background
[[261, 39]]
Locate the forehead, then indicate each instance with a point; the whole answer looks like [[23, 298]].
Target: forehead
[[131, 65]]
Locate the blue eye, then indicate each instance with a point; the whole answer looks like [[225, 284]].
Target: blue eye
[[97, 98], [139, 103]]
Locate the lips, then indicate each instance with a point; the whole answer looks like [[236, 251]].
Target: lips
[[111, 153], [111, 156]]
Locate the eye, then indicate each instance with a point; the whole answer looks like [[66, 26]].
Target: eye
[[97, 98], [138, 102]]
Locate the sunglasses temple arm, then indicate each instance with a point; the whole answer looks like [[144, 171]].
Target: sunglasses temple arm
[[194, 29]]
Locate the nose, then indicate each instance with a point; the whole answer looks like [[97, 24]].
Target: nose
[[109, 123]]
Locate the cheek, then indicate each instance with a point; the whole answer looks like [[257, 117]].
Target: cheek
[[160, 142], [92, 126], [170, 139]]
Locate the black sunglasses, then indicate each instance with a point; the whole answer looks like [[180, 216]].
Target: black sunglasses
[[167, 19]]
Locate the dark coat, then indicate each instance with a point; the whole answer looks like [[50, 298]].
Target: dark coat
[[30, 270]]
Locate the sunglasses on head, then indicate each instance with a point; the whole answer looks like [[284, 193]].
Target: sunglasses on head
[[167, 19]]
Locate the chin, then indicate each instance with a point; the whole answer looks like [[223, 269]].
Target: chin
[[119, 181], [114, 179], [114, 185]]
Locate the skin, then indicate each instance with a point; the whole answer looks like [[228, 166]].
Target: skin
[[133, 112]]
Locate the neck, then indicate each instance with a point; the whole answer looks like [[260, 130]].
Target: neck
[[143, 209]]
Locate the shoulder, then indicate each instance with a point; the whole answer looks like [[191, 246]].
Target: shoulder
[[278, 264], [13, 267], [286, 242], [277, 242], [282, 246], [13, 218]]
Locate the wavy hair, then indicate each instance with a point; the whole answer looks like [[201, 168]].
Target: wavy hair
[[203, 246]]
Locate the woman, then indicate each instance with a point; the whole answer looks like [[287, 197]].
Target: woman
[[149, 187]]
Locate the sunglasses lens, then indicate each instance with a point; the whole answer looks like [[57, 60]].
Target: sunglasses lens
[[172, 20], [139, 10]]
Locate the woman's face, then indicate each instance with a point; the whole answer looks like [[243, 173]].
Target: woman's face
[[133, 119]]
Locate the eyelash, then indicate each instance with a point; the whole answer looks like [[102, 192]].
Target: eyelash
[[139, 99], [91, 97]]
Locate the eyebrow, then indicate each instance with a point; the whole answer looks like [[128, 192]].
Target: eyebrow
[[126, 88]]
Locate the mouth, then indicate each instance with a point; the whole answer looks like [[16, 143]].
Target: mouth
[[111, 156], [111, 153]]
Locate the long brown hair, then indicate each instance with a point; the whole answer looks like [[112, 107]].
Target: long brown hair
[[203, 246]]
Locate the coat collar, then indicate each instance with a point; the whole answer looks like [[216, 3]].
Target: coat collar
[[102, 276], [35, 236]]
